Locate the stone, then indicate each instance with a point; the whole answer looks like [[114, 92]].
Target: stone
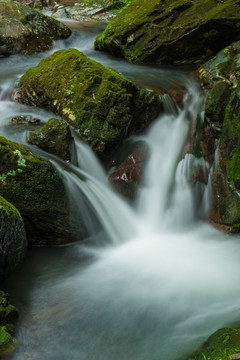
[[54, 137], [13, 241], [32, 184], [168, 31], [27, 31], [101, 103]]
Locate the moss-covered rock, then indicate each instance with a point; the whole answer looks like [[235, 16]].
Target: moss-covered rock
[[54, 137], [8, 316], [26, 31], [32, 184], [171, 30], [100, 102], [221, 131], [13, 242], [224, 344]]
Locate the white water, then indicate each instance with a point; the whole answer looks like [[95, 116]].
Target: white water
[[162, 282]]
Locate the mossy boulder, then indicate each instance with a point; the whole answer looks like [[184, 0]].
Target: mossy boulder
[[171, 30], [26, 31], [100, 102], [33, 185], [8, 316], [13, 242], [221, 133], [224, 344], [54, 137]]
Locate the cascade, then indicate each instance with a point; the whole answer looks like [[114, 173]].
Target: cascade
[[162, 281]]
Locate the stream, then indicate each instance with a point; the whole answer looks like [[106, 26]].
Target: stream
[[155, 281]]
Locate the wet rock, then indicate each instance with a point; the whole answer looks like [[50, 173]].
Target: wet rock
[[100, 102], [171, 31], [27, 31], [32, 184], [128, 175], [219, 134], [13, 241], [54, 137], [8, 316], [223, 344], [19, 120]]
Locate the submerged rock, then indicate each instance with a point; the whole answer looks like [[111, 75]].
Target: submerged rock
[[171, 31], [32, 184], [219, 138], [100, 102], [224, 344], [54, 137], [13, 242], [26, 31]]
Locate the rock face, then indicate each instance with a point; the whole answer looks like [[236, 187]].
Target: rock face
[[100, 102], [32, 184], [172, 30], [223, 344], [220, 133], [26, 31], [13, 242], [54, 137]]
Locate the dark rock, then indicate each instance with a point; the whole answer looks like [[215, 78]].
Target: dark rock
[[32, 184], [54, 137], [100, 102], [13, 242], [8, 316], [171, 31], [19, 120], [26, 31]]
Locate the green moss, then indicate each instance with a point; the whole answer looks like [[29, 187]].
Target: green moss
[[221, 345], [99, 101], [171, 30]]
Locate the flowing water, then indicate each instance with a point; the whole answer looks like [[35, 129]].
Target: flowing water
[[154, 280]]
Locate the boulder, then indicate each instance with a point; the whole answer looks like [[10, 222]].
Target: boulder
[[27, 31], [8, 316], [54, 137], [169, 31], [224, 344], [13, 242], [100, 102], [219, 136], [33, 185]]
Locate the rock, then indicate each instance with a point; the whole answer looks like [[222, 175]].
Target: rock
[[224, 344], [54, 137], [27, 31], [13, 242], [220, 131], [19, 120], [100, 102], [32, 184], [169, 31], [8, 316], [128, 175]]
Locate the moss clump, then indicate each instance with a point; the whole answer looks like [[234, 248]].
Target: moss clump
[[37, 191], [171, 30], [100, 102], [8, 315], [220, 345], [54, 137]]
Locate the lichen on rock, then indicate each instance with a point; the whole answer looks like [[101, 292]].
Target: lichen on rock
[[34, 186]]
